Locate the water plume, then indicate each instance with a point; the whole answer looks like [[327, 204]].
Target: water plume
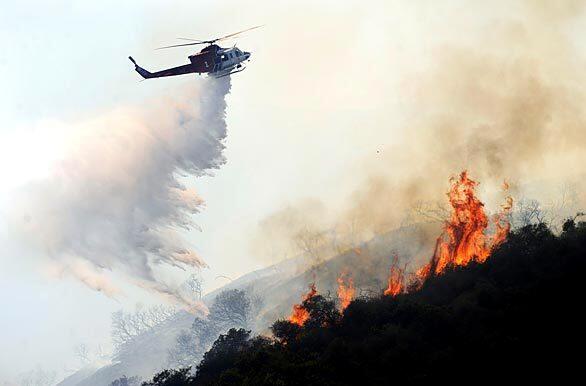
[[117, 199]]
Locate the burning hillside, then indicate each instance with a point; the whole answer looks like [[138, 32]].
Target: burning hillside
[[468, 235], [491, 322]]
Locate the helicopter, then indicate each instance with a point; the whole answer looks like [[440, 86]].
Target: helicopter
[[212, 59]]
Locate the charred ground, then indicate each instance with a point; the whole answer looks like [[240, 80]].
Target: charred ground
[[517, 317]]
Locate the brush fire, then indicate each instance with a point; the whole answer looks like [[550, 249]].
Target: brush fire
[[346, 290], [300, 314], [396, 278], [464, 239]]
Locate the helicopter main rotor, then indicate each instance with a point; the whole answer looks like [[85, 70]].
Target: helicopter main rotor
[[196, 42]]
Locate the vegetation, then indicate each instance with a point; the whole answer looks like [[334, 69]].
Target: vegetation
[[230, 309], [517, 317]]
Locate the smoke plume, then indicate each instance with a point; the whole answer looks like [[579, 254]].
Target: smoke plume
[[118, 200], [502, 101], [504, 106]]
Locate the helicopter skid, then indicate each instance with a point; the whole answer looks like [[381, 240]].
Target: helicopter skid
[[222, 74]]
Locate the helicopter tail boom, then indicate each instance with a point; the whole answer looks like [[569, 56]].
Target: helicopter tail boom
[[185, 69]]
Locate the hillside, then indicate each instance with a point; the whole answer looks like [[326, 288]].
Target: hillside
[[516, 317], [279, 286]]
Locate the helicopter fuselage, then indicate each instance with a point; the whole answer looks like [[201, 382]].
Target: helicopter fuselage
[[213, 60], [219, 61]]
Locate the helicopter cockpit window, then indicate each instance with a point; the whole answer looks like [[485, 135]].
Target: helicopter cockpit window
[[238, 53], [224, 58]]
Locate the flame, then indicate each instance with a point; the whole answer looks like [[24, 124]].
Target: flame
[[300, 315], [396, 278], [463, 239], [346, 290], [502, 224]]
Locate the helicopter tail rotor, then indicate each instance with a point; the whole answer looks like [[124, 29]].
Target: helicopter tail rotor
[[144, 73]]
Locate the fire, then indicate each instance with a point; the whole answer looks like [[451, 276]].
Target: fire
[[346, 290], [463, 239], [396, 278], [502, 224], [300, 315]]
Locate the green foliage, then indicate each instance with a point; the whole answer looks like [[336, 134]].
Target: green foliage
[[517, 317]]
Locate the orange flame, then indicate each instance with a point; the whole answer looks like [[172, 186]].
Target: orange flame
[[396, 278], [502, 224], [463, 239], [346, 290], [300, 315]]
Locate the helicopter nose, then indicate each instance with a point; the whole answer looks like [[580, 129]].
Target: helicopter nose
[[247, 55]]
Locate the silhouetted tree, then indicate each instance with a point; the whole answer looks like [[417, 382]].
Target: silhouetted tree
[[125, 381], [179, 377], [223, 353], [322, 312], [194, 285], [230, 308], [127, 325], [285, 331]]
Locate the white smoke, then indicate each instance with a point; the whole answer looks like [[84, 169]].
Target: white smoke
[[115, 201]]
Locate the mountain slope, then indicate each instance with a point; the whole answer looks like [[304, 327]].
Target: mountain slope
[[279, 286], [517, 317]]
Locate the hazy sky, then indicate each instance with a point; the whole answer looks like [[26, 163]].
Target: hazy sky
[[326, 89]]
